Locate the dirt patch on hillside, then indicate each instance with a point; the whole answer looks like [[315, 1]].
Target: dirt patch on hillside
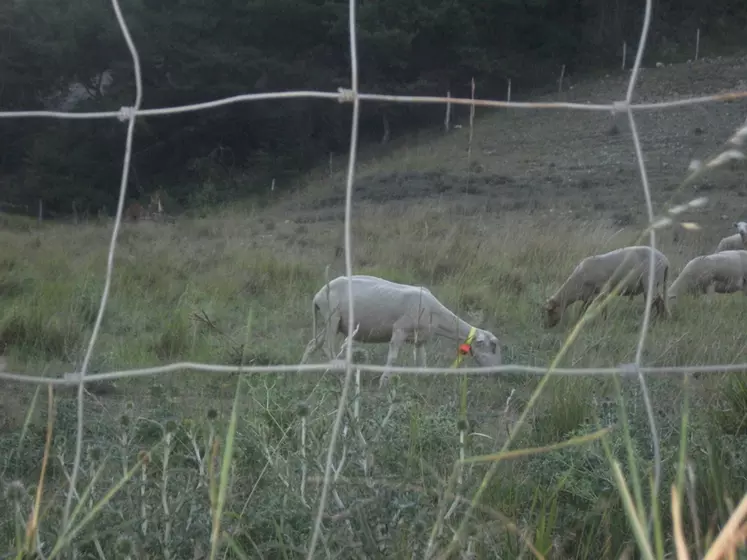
[[579, 163]]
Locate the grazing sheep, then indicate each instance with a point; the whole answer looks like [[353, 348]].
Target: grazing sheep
[[735, 242], [394, 313], [721, 273], [599, 273]]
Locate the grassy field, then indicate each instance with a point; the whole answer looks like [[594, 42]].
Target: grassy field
[[492, 238]]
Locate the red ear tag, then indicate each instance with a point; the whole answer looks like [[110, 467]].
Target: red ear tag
[[465, 348]]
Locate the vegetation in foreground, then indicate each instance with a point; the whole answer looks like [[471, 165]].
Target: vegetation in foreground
[[235, 288]]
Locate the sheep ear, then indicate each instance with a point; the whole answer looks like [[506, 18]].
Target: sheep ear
[[480, 337]]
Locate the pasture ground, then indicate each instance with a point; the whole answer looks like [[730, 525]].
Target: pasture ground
[[492, 238]]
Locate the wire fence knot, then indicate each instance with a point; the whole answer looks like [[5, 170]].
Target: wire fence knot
[[629, 369], [337, 363], [346, 95], [125, 114], [620, 107]]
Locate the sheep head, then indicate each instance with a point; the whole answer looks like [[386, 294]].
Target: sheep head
[[742, 229], [486, 349], [553, 312]]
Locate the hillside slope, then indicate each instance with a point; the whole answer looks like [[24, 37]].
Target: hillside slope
[[564, 161]]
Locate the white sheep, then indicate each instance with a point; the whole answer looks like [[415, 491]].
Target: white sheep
[[722, 273], [395, 313], [735, 242], [601, 273]]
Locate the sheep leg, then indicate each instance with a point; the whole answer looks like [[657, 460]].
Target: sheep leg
[[318, 342], [315, 342], [656, 305], [584, 306], [660, 306], [420, 351], [710, 293], [313, 345], [665, 307], [333, 325], [398, 339], [664, 303], [654, 300], [604, 311]]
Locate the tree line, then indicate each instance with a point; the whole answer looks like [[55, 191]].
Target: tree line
[[72, 56]]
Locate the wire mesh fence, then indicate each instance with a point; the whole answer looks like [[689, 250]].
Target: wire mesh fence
[[346, 364]]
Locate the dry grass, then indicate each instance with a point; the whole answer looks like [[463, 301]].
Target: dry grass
[[495, 271]]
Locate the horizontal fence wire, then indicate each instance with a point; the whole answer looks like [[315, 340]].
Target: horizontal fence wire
[[73, 378], [345, 95]]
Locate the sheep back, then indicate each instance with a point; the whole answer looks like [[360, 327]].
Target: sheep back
[[730, 243], [614, 266], [378, 304], [726, 270]]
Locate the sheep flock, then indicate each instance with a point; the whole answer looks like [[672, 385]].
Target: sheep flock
[[395, 313]]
